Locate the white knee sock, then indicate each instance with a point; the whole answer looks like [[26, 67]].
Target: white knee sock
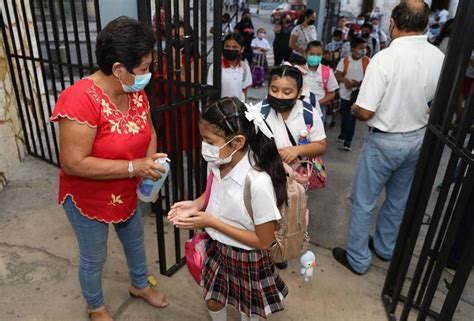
[[244, 317], [220, 315]]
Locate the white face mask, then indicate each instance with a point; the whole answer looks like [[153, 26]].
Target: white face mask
[[210, 154]]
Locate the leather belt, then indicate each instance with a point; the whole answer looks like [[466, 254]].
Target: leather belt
[[376, 130]]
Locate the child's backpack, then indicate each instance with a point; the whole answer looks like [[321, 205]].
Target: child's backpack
[[258, 70], [291, 232]]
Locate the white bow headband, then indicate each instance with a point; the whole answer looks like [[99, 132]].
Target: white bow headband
[[255, 115]]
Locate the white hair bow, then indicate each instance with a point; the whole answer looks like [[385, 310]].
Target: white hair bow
[[254, 115]]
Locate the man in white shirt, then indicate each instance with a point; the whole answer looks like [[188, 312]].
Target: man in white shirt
[[394, 100], [350, 72]]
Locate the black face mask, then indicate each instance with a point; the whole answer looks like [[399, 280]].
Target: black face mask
[[311, 22], [179, 43], [365, 35], [246, 19], [230, 54], [280, 105]]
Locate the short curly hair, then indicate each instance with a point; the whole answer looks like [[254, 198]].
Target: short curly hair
[[123, 40]]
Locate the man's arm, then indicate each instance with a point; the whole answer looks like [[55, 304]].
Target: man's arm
[[361, 113]]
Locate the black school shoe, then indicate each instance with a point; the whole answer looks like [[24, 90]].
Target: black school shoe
[[341, 256], [372, 248], [282, 265]]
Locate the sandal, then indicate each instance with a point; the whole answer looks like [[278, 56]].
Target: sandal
[[99, 314], [150, 295]]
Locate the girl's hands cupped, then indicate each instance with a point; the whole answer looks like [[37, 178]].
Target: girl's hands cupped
[[182, 209], [198, 220]]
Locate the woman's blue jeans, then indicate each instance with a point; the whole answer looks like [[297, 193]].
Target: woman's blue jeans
[[92, 238]]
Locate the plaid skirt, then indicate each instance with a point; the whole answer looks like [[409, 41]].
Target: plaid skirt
[[245, 279]]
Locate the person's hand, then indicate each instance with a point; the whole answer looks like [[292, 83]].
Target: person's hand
[[348, 83], [146, 167], [198, 220], [354, 109], [183, 209], [288, 154]]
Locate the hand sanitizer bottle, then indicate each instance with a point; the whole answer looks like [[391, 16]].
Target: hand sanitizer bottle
[[148, 190]]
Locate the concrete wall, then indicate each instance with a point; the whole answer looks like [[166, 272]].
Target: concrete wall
[[11, 136], [12, 147]]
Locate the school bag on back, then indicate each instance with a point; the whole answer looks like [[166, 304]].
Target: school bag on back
[[291, 232]]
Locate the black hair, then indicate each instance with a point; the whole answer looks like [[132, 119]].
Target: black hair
[[177, 40], [368, 25], [445, 32], [374, 19], [287, 71], [357, 41], [297, 60], [226, 15], [234, 36], [123, 40], [227, 116], [411, 17], [337, 33], [283, 18], [313, 44], [307, 13]]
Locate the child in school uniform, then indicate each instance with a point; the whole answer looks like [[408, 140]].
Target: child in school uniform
[[287, 116], [260, 45], [238, 270], [236, 74]]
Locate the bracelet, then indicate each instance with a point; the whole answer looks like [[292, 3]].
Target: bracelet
[[130, 169]]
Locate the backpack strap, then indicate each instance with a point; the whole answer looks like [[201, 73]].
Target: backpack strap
[[312, 99], [346, 66], [308, 111], [325, 73], [265, 110], [207, 193], [365, 63]]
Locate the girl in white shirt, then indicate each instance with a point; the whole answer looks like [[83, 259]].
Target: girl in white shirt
[[236, 74], [287, 116], [238, 270]]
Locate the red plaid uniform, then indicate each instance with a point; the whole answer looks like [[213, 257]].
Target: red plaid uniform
[[245, 279]]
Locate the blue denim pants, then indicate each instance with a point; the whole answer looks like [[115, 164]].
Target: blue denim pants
[[348, 121], [387, 160], [92, 238]]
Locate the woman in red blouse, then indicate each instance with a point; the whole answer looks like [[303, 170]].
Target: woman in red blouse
[[108, 144]]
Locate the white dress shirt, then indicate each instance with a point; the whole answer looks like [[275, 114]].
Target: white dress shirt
[[295, 124], [227, 201], [399, 83], [355, 71], [313, 80], [234, 79]]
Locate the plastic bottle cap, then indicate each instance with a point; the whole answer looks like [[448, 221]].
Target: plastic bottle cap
[[163, 160], [304, 133]]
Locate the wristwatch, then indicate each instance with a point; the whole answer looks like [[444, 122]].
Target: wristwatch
[[130, 169]]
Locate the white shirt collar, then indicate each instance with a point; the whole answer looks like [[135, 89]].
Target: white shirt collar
[[239, 172], [421, 39]]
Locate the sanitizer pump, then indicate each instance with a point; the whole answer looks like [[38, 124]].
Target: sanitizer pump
[[148, 190]]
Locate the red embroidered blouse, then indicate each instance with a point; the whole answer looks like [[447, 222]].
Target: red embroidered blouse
[[119, 137]]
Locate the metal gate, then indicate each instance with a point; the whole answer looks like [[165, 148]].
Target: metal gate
[[49, 45], [452, 219]]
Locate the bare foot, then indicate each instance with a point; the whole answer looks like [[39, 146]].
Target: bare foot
[[149, 294]]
